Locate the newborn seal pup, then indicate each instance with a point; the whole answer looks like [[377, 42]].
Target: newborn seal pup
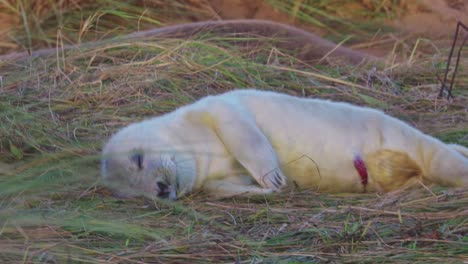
[[257, 142]]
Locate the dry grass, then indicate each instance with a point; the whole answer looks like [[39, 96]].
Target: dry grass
[[300, 227], [29, 25], [57, 110]]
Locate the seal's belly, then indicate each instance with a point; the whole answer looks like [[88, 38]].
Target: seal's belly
[[312, 171]]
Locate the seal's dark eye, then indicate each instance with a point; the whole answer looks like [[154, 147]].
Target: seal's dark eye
[[137, 158]]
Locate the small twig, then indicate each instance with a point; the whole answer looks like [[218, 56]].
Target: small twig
[[443, 86], [449, 91]]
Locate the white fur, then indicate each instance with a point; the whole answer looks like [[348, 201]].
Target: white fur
[[250, 141]]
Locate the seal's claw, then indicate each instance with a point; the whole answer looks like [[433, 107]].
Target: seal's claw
[[275, 180]]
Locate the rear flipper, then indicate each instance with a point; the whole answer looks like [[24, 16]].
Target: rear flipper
[[448, 165], [224, 189], [392, 170]]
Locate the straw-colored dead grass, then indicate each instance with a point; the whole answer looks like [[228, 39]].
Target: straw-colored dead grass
[[56, 111], [30, 25]]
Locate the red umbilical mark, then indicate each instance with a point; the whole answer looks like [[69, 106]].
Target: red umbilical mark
[[361, 168]]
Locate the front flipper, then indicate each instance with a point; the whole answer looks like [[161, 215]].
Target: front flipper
[[225, 189], [242, 138]]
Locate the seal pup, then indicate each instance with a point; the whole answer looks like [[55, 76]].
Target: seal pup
[[257, 142]]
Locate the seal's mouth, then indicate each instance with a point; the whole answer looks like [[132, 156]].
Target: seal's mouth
[[166, 191]]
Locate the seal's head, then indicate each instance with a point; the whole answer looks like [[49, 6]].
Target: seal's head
[[138, 163]]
